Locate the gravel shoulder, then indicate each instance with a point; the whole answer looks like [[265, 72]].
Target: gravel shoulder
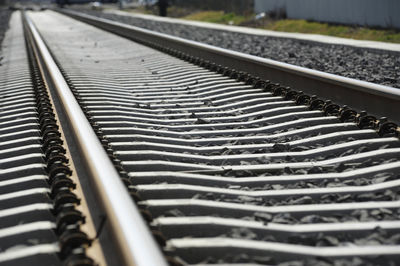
[[5, 15], [364, 64]]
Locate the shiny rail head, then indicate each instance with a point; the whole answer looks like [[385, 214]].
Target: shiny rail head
[[132, 234]]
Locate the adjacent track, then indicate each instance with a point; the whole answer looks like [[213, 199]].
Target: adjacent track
[[224, 166]]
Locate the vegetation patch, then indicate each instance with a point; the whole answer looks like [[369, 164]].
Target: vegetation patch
[[218, 17], [359, 33], [277, 24]]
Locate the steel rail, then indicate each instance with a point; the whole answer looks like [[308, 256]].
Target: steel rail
[[132, 235], [377, 99]]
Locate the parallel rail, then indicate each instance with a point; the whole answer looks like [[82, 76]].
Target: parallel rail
[[379, 100], [133, 238]]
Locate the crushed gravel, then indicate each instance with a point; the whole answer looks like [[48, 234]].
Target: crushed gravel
[[379, 67], [230, 257], [4, 19], [387, 195], [360, 215]]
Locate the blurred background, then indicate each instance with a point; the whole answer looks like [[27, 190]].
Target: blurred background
[[377, 20]]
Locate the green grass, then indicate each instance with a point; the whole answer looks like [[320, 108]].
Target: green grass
[[297, 25], [360, 33], [217, 17]]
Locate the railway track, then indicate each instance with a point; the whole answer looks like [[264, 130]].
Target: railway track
[[165, 151]]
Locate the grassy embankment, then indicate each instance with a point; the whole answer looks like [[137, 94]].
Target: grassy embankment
[[218, 17], [303, 26]]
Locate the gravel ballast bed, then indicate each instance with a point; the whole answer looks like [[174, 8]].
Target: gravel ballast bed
[[364, 64], [4, 20]]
